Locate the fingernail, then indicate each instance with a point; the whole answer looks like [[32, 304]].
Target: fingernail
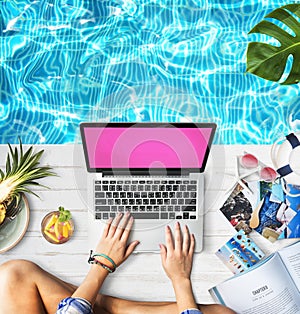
[[177, 224]]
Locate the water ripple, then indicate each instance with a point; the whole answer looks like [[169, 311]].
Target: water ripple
[[64, 62]]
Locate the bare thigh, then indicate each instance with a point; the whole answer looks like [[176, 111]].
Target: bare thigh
[[26, 288]]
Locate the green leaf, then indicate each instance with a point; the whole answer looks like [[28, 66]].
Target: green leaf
[[64, 214], [268, 61]]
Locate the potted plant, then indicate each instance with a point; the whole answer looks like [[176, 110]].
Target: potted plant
[[269, 61], [21, 171]]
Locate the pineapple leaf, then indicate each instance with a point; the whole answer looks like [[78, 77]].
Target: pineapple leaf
[[2, 174], [21, 148], [8, 169], [22, 170], [14, 156], [31, 161]]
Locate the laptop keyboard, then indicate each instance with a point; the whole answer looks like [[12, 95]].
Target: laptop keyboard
[[146, 199]]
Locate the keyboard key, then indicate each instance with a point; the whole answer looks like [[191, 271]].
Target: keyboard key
[[145, 215], [171, 215], [192, 187], [189, 201], [102, 208], [170, 208], [185, 215], [105, 216], [192, 217], [99, 194], [121, 209], [98, 216], [100, 201], [175, 187], [189, 208], [164, 216]]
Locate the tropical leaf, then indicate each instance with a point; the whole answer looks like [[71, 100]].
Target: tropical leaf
[[269, 61]]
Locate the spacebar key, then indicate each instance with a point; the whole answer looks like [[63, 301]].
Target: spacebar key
[[145, 215]]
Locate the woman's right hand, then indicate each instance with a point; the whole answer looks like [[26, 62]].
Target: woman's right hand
[[177, 254], [177, 260], [113, 242]]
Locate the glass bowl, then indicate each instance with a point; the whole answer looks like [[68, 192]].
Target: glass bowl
[[54, 231]]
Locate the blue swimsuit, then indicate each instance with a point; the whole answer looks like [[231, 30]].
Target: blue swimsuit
[[81, 306]]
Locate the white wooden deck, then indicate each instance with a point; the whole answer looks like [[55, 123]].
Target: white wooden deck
[[141, 277]]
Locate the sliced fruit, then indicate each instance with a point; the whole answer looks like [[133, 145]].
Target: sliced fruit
[[57, 231], [66, 230], [51, 222], [51, 236]]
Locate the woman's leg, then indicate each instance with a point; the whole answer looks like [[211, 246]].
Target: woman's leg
[[27, 288], [120, 306]]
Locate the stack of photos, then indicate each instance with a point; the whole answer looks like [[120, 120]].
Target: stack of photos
[[266, 210], [240, 253]]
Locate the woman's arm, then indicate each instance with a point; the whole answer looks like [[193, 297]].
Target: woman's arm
[[177, 260], [113, 244]]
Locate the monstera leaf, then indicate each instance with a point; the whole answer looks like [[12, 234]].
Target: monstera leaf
[[269, 61]]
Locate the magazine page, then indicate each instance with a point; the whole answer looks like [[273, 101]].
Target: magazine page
[[267, 288], [291, 257]]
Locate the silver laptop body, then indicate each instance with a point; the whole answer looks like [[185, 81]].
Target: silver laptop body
[[153, 170]]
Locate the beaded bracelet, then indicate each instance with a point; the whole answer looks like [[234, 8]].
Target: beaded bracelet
[[106, 257], [93, 260]]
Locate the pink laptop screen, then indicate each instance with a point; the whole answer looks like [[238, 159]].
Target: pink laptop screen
[[146, 147]]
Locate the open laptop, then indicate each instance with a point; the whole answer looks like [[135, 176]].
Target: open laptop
[[153, 170]]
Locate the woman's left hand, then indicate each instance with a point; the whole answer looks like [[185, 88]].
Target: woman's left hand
[[113, 242]]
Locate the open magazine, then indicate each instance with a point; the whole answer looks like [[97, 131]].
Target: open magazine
[[270, 286]]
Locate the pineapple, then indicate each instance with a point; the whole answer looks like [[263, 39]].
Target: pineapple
[[2, 213], [22, 170]]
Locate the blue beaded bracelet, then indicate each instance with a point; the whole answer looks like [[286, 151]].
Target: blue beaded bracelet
[[106, 257]]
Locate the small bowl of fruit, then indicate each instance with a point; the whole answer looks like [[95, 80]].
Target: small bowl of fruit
[[58, 226]]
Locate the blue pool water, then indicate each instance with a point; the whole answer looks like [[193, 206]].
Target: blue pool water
[[67, 61]]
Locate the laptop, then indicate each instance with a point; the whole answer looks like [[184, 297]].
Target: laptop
[[153, 170]]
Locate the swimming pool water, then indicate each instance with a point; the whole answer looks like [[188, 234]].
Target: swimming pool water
[[67, 61]]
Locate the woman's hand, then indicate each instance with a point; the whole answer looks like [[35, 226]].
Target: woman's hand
[[177, 254], [177, 260], [113, 242]]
